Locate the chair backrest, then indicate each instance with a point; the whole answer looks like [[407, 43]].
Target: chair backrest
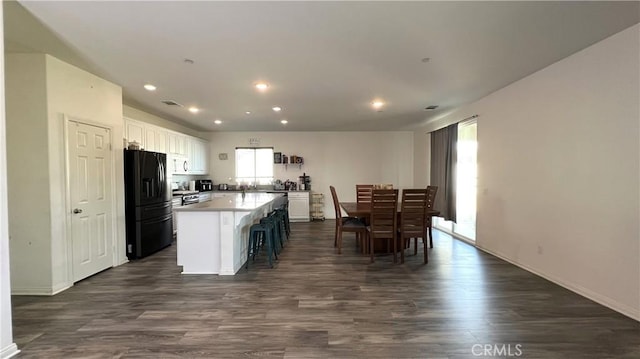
[[363, 193], [336, 204], [431, 196], [384, 212], [412, 217]]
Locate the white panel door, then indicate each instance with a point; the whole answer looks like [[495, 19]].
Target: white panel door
[[90, 192]]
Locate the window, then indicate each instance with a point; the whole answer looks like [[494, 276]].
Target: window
[[254, 166], [466, 184]]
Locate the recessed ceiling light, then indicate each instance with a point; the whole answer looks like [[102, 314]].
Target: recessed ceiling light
[[217, 122], [261, 86], [284, 122], [194, 109], [248, 112], [277, 109], [426, 59], [149, 87], [377, 104], [188, 61]]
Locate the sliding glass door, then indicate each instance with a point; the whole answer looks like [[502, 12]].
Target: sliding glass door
[[466, 184]]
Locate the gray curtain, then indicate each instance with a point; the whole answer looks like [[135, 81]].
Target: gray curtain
[[444, 155]]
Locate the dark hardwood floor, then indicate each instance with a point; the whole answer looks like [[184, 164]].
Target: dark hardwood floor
[[317, 304]]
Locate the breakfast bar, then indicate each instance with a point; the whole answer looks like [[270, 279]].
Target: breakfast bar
[[212, 237]]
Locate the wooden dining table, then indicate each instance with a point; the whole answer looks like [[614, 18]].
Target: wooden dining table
[[363, 210], [355, 209]]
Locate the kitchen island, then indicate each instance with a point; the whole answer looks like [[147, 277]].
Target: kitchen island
[[212, 237]]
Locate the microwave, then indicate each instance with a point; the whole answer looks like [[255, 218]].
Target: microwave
[[204, 185]]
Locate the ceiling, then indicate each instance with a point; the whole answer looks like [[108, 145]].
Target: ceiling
[[325, 62]]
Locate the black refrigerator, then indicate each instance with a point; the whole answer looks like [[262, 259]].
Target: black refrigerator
[[149, 220]]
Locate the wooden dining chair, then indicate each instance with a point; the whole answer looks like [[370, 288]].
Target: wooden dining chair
[[413, 220], [431, 197], [363, 193], [345, 224], [383, 220]]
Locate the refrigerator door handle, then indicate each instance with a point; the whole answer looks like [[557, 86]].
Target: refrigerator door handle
[[163, 178], [160, 178]]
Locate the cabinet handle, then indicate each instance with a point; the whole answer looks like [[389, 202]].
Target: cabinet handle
[[77, 210]]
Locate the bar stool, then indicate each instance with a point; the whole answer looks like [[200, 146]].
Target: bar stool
[[281, 216], [272, 222], [260, 233], [285, 210]]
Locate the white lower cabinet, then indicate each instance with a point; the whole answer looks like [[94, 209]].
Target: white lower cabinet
[[175, 203], [299, 206]]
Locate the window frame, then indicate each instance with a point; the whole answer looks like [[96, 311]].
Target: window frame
[[256, 179]]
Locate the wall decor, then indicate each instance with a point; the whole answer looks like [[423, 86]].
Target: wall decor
[[254, 142], [277, 157]]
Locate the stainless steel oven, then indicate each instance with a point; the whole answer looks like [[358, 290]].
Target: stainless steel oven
[[188, 199]]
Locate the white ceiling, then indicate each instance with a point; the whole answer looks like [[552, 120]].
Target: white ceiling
[[325, 61]]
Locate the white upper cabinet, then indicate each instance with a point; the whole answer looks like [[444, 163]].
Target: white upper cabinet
[[198, 155], [173, 143], [134, 131], [161, 141], [186, 154], [178, 144], [155, 139], [150, 137]]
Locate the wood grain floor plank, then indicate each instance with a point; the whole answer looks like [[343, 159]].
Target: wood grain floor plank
[[315, 303]]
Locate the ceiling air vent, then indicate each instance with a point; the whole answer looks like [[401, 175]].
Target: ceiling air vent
[[171, 103], [431, 108]]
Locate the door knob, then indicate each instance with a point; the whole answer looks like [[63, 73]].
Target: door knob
[[77, 210]]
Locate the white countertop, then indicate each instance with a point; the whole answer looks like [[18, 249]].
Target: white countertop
[[232, 202]]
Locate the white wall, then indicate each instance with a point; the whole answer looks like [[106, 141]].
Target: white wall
[[558, 172], [36, 106], [341, 159], [7, 347], [421, 159], [27, 163], [83, 96]]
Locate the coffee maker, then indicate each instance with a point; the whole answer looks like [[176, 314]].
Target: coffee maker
[[204, 185], [305, 182]]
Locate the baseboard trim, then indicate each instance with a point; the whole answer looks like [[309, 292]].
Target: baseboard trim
[[9, 351], [61, 289], [630, 312], [40, 291], [31, 291]]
